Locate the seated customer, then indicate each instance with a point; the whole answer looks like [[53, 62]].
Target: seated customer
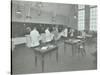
[[35, 37]]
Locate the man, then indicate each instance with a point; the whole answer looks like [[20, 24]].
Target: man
[[65, 32], [83, 33], [35, 37], [48, 35], [55, 34], [72, 31], [28, 30]]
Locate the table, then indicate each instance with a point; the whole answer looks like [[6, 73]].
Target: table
[[19, 40], [71, 42], [42, 53], [80, 37], [89, 35], [86, 36]]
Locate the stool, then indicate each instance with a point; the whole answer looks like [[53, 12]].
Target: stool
[[81, 48]]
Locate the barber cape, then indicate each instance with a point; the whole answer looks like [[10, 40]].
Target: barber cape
[[48, 35], [35, 37]]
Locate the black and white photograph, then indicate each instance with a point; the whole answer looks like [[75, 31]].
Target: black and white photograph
[[52, 37]]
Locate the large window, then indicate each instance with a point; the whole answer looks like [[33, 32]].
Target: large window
[[81, 17], [93, 18]]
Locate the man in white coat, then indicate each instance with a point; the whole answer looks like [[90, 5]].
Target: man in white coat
[[35, 37], [65, 32], [48, 35]]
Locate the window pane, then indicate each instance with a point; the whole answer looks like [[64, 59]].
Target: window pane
[[81, 6], [93, 19], [81, 19]]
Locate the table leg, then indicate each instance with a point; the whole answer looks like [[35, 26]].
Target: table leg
[[78, 51], [35, 60], [42, 63], [50, 55], [64, 47], [57, 55], [72, 50]]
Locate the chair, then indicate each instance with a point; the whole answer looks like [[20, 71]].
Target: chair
[[81, 48]]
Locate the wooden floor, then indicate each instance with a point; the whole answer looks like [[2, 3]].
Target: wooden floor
[[23, 61]]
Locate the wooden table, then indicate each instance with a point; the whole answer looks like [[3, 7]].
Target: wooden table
[[42, 53], [86, 36], [71, 42]]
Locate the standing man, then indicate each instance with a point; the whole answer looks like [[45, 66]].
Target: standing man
[[48, 35], [72, 31], [65, 32], [56, 34], [28, 39], [35, 37]]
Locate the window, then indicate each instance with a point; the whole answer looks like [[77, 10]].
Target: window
[[81, 17], [93, 19], [81, 6]]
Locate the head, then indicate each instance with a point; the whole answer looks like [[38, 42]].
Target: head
[[28, 29], [47, 28]]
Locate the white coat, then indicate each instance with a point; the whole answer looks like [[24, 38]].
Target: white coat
[[48, 35], [66, 32], [35, 37]]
